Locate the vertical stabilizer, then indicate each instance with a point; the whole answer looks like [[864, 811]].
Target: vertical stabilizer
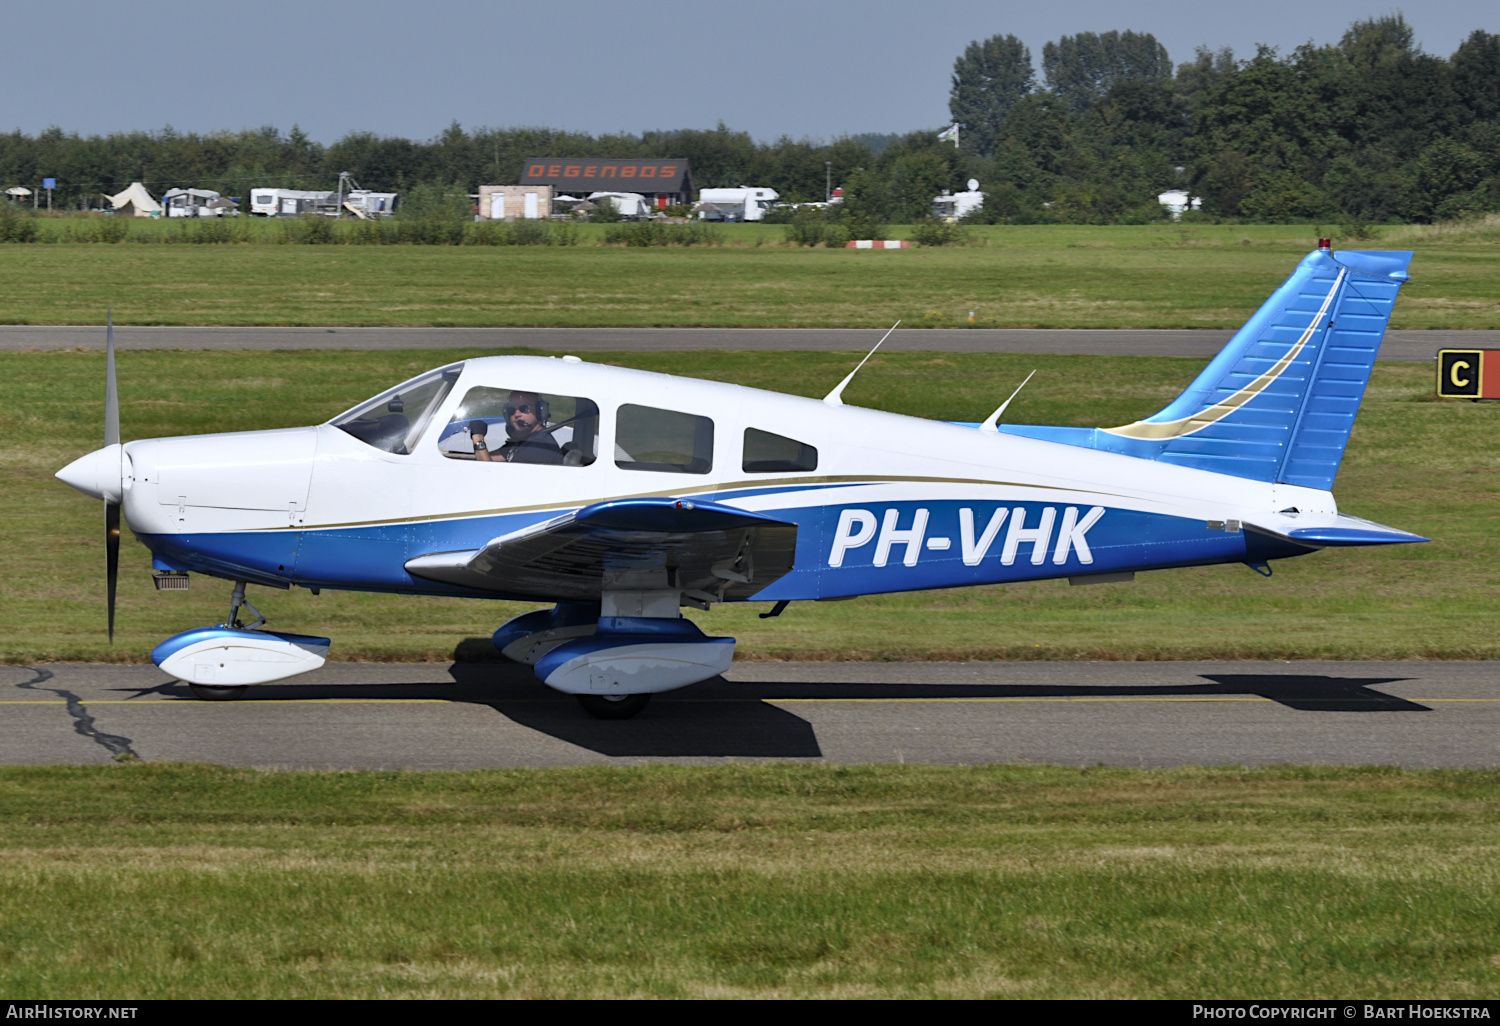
[[1279, 400]]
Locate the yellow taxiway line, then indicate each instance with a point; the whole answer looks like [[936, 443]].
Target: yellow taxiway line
[[1105, 698], [778, 701], [255, 701]]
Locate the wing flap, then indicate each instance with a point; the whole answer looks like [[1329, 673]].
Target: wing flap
[[713, 551]]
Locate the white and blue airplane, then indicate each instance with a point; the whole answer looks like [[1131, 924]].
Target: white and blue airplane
[[618, 496]]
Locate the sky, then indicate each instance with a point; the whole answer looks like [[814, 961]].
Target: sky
[[768, 67]]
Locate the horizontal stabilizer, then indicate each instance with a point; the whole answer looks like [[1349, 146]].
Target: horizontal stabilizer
[[712, 550], [1336, 531]]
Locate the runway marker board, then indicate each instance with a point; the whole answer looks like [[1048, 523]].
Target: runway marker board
[[1468, 374]]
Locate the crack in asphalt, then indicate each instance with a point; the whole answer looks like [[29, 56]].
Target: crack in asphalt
[[83, 723]]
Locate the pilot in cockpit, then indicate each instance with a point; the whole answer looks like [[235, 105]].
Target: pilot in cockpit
[[527, 441]]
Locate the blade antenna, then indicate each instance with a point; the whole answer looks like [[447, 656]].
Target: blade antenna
[[836, 397], [111, 437], [992, 422]]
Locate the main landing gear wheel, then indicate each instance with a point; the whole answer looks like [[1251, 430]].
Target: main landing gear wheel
[[216, 693], [612, 707]]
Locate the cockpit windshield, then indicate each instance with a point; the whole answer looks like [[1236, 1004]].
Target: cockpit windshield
[[393, 421]]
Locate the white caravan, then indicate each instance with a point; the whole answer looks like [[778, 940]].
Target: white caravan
[[742, 204], [629, 204], [291, 202], [955, 206], [191, 203], [364, 203]]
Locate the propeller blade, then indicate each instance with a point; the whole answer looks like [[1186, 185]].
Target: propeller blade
[[111, 437], [111, 558], [111, 392]]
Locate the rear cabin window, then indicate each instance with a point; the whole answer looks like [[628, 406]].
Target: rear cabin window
[[663, 440], [766, 453], [516, 425]]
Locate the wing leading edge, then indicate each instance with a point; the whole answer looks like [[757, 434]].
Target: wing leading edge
[[709, 552]]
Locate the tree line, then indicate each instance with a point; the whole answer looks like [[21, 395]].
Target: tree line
[[1369, 129]]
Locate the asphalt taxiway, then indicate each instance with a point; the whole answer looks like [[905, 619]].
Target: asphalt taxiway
[[471, 715], [1410, 346]]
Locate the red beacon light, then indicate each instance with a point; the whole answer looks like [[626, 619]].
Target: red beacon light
[[1325, 243]]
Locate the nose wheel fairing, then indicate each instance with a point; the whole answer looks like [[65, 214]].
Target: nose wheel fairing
[[227, 657]]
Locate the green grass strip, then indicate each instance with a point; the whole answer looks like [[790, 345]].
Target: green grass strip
[[1170, 276], [152, 881]]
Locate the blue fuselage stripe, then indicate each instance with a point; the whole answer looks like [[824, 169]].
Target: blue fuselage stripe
[[848, 549]]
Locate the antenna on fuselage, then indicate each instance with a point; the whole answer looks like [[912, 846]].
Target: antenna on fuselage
[[836, 397], [992, 422]]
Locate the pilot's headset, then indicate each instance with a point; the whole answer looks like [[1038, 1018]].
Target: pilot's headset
[[543, 411]]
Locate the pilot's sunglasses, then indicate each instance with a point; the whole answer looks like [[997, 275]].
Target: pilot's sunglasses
[[527, 408]]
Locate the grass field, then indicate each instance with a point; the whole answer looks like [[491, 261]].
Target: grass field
[[1196, 276], [137, 881], [1413, 462]]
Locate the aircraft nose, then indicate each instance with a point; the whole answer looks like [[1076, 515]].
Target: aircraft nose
[[97, 474]]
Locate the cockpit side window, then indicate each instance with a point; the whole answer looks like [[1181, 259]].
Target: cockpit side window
[[766, 453], [517, 425], [393, 421]]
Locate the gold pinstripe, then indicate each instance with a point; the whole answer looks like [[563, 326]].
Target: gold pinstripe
[[700, 490], [1160, 430]]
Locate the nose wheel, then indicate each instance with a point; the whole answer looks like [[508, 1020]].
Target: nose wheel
[[212, 693], [613, 707]]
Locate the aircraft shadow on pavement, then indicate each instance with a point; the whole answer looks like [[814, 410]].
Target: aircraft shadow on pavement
[[677, 725], [673, 725], [1306, 692], [1318, 694], [735, 720]]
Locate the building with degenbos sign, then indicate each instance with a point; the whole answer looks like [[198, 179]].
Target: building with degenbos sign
[[664, 183]]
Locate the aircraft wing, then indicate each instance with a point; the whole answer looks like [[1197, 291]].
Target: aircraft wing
[[1337, 530], [708, 551]]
